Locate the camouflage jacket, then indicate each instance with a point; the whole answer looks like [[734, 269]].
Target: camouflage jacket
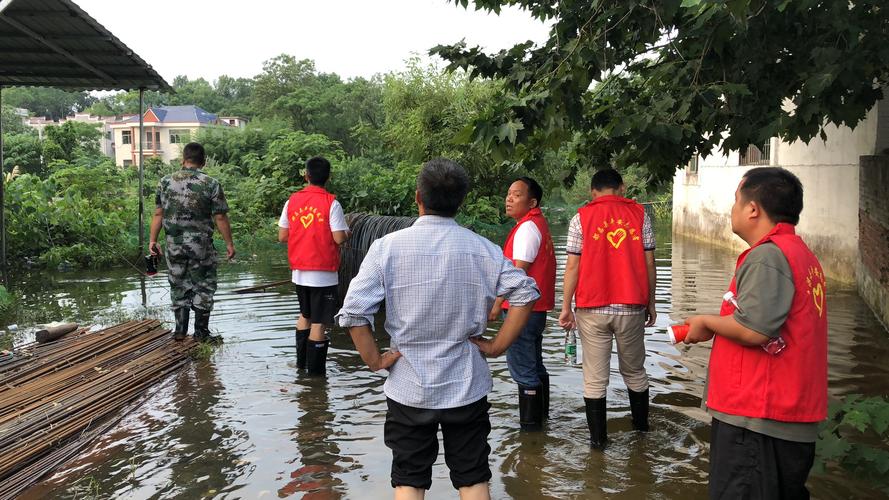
[[190, 199]]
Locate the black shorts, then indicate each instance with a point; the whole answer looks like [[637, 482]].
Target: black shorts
[[317, 303], [412, 434]]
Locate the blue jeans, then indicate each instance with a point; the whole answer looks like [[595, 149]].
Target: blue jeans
[[525, 356]]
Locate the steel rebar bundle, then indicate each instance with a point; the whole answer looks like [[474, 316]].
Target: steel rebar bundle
[[365, 230], [56, 398]]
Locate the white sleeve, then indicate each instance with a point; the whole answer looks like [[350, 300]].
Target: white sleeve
[[526, 242], [283, 223], [337, 218]]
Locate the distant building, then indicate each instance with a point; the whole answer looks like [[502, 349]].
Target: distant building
[[233, 121], [106, 145], [167, 128]]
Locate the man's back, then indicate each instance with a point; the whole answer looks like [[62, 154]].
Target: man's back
[[189, 199], [439, 281]]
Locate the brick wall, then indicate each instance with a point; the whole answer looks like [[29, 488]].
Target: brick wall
[[873, 234]]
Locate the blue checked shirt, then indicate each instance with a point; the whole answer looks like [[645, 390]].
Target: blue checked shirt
[[439, 281]]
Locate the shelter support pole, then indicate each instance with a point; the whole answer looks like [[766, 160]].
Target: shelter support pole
[[141, 172], [2, 203]]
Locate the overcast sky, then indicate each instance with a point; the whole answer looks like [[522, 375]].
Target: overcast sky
[[208, 38]]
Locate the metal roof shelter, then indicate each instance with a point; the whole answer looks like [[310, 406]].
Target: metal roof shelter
[[55, 43]]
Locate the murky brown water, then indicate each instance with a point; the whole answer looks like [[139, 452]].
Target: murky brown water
[[245, 424]]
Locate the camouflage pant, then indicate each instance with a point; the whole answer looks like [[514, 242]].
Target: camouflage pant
[[191, 270]]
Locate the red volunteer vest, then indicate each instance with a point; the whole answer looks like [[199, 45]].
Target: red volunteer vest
[[790, 386], [310, 246], [612, 264], [543, 269]]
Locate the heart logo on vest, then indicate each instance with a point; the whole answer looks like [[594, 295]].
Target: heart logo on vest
[[818, 297], [617, 237], [307, 220]]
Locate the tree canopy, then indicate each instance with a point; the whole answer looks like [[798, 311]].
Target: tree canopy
[[652, 82]]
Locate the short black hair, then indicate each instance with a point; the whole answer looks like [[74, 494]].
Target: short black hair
[[318, 170], [443, 185], [608, 178], [194, 153], [534, 189], [777, 191]]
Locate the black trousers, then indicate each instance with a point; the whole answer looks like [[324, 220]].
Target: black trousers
[[749, 465], [412, 434]]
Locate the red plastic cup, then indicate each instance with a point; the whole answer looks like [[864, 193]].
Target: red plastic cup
[[677, 333]]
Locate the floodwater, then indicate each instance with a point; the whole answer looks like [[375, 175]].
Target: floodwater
[[246, 424]]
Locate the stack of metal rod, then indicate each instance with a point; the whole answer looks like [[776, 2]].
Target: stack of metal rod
[[365, 229], [58, 397]]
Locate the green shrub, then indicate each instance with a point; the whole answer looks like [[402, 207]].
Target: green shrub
[[855, 437]]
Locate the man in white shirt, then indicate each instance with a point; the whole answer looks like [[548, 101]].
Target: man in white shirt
[[530, 247], [313, 226]]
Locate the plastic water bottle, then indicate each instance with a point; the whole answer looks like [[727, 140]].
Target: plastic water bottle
[[571, 346]]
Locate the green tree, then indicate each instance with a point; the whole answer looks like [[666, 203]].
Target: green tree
[[653, 82], [195, 92], [23, 151], [10, 121], [47, 101], [280, 76], [70, 140]]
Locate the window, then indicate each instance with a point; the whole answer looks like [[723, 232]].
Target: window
[[126, 137], [693, 164], [128, 163], [756, 155], [178, 136], [152, 139]]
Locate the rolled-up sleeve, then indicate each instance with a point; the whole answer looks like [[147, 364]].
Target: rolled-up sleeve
[[366, 292], [516, 286]]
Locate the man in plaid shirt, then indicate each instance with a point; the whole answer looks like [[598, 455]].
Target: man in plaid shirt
[[610, 275]]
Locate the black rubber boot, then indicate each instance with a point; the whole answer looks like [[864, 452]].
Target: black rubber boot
[[202, 328], [181, 331], [316, 357], [544, 384], [596, 419], [530, 408], [639, 409], [302, 336]]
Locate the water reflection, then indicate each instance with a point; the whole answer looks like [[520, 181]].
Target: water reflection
[[247, 425], [318, 453]]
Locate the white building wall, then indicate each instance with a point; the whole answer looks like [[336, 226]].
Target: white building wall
[[829, 172], [163, 149]]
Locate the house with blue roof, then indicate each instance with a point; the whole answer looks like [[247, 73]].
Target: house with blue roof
[[167, 129]]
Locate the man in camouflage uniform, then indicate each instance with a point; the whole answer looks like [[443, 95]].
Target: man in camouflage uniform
[[187, 204]]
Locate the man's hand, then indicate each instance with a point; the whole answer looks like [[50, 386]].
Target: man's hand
[[387, 359], [567, 320], [230, 250], [154, 248], [698, 330], [486, 346], [494, 315], [650, 315]]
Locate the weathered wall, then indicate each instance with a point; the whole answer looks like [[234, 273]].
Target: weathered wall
[[702, 208], [873, 231], [829, 171]]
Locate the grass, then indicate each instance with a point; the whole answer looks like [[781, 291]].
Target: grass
[[203, 351]]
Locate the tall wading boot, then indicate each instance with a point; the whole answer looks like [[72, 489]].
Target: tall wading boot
[[302, 337], [639, 409], [544, 386], [530, 408], [202, 328], [596, 419], [316, 357], [181, 331]]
